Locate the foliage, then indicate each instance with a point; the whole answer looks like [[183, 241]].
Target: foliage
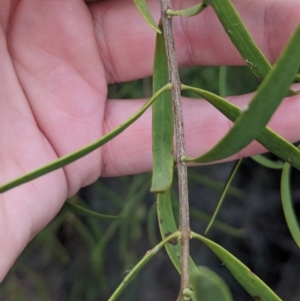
[[94, 246]]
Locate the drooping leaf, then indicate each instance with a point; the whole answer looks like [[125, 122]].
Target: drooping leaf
[[268, 138], [222, 81], [209, 286], [241, 38], [167, 226], [136, 193], [132, 273], [287, 204], [253, 119], [145, 12], [246, 278], [34, 280], [213, 184], [191, 11], [224, 192], [162, 123], [266, 162], [67, 159], [89, 213]]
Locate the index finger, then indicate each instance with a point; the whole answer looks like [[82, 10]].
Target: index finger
[[126, 42]]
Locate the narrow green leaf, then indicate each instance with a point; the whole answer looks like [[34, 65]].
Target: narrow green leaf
[[241, 38], [67, 159], [191, 11], [85, 232], [140, 265], [34, 279], [263, 105], [213, 184], [287, 204], [209, 286], [266, 162], [167, 226], [145, 12], [89, 213], [221, 226], [151, 225], [222, 81], [162, 123], [224, 192], [246, 278], [268, 138]]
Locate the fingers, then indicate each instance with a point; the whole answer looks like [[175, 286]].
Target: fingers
[[57, 61], [126, 42], [28, 208], [130, 152]]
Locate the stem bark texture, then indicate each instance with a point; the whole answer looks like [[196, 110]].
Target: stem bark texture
[[184, 226]]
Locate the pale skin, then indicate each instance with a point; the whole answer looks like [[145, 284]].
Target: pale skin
[[57, 57]]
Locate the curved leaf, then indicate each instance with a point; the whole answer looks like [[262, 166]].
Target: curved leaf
[[162, 123], [266, 162], [141, 264], [287, 204], [213, 184], [268, 138], [241, 38], [222, 81], [224, 192], [86, 212], [191, 11], [246, 278], [145, 12], [67, 159], [263, 105], [209, 286], [167, 226]]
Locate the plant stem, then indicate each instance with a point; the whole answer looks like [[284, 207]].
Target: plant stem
[[184, 225]]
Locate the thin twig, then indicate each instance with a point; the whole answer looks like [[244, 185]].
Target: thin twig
[[180, 146]]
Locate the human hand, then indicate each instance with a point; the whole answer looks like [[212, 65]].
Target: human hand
[[57, 58]]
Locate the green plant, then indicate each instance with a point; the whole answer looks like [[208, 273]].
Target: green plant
[[262, 107]]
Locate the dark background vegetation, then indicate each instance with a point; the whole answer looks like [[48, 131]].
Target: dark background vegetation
[[77, 258]]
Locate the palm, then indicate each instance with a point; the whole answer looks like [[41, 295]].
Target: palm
[[55, 93], [56, 59]]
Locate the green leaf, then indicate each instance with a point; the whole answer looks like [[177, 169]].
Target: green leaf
[[246, 278], [34, 279], [213, 184], [191, 11], [241, 38], [167, 226], [140, 265], [224, 192], [263, 105], [222, 81], [268, 138], [209, 286], [67, 159], [218, 225], [89, 213], [287, 204], [266, 162], [145, 12], [162, 123]]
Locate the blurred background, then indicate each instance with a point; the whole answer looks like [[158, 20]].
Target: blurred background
[[77, 258]]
